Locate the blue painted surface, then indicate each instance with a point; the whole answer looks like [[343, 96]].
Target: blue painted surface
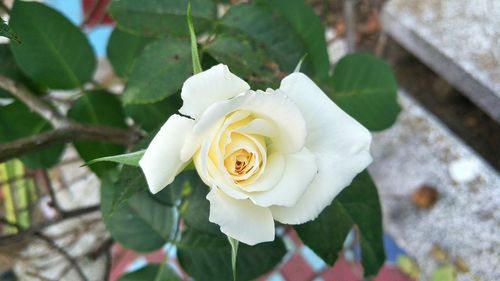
[[99, 37], [72, 9], [392, 250]]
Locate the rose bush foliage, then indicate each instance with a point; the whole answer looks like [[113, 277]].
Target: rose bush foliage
[[294, 154]]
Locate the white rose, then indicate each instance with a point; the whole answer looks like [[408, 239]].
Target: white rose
[[277, 155]]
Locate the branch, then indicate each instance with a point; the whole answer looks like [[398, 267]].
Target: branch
[[72, 132], [27, 232], [63, 253], [33, 102]]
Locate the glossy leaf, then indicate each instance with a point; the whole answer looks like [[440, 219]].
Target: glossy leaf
[[98, 108], [18, 121], [122, 50], [159, 71], [151, 272], [151, 18], [140, 223], [131, 158], [364, 87], [54, 52], [151, 116], [207, 257], [358, 205]]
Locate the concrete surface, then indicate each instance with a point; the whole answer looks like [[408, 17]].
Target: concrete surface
[[465, 221], [460, 40]]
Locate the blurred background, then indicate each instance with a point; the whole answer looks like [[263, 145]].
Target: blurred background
[[436, 168]]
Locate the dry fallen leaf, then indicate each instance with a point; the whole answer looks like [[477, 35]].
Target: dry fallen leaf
[[425, 196]]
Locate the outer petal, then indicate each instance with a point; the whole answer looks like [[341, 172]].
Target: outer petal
[[241, 219], [299, 171], [161, 162], [210, 86], [340, 143]]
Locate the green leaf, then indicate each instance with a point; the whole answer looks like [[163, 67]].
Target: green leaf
[[287, 30], [151, 272], [122, 50], [364, 87], [197, 208], [207, 257], [131, 159], [171, 194], [319, 235], [195, 57], [140, 223], [259, 23], [358, 204], [18, 121], [151, 116], [9, 68], [131, 181], [159, 71], [244, 58], [99, 108], [309, 27], [151, 18], [7, 32], [54, 53]]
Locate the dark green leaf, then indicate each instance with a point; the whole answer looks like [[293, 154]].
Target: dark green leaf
[[326, 234], [308, 26], [266, 28], [159, 72], [207, 257], [286, 29], [244, 58], [98, 108], [197, 207], [123, 48], [151, 272], [140, 223], [8, 68], [151, 18], [54, 52], [131, 181], [17, 121], [171, 194], [151, 116], [7, 32], [358, 205], [364, 87], [131, 158]]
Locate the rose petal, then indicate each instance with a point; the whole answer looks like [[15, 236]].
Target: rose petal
[[273, 173], [340, 143], [210, 86], [273, 107], [240, 219], [161, 161], [300, 170]]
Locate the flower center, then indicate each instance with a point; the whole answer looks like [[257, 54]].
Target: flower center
[[239, 162]]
